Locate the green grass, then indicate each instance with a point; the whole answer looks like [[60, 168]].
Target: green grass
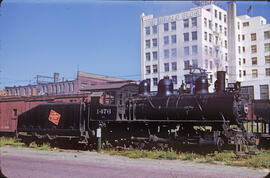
[[13, 142], [261, 160], [8, 141]]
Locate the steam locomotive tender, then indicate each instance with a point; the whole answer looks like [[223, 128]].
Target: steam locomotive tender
[[165, 119]]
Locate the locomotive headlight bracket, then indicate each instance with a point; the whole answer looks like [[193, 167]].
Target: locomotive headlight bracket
[[246, 108]]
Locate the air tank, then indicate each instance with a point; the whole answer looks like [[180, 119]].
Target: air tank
[[165, 87], [144, 88]]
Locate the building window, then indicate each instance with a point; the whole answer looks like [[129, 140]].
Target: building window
[[243, 49], [173, 25], [267, 59], [240, 74], [206, 50], [186, 51], [154, 29], [155, 81], [195, 63], [244, 61], [166, 40], [205, 36], [186, 65], [266, 47], [206, 64], [264, 92], [239, 38], [226, 56], [194, 49], [210, 51], [155, 68], [267, 35], [245, 24], [220, 28], [148, 56], [154, 55], [216, 27], [186, 23], [174, 66], [210, 37], [205, 22], [267, 71], [174, 52], [166, 53], [154, 41], [239, 61], [194, 35], [254, 73], [148, 70], [248, 91], [253, 49], [194, 21], [147, 30], [148, 81], [216, 40], [210, 24], [211, 65], [225, 31], [244, 73], [215, 13], [225, 18], [173, 39], [253, 36], [147, 43], [166, 27], [239, 49], [186, 36], [174, 79], [166, 67], [15, 112], [219, 15]]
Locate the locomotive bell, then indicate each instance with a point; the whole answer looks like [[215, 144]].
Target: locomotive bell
[[201, 85], [144, 88], [165, 87]]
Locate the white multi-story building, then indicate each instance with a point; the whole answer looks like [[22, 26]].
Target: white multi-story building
[[208, 38], [249, 53], [170, 44]]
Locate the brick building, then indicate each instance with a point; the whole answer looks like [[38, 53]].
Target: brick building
[[63, 87]]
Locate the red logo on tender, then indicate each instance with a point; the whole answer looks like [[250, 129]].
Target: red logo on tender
[[54, 117]]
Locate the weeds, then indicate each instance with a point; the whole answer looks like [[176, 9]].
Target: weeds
[[261, 160], [7, 141]]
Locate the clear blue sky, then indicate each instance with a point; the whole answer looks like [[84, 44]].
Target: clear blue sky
[[62, 36]]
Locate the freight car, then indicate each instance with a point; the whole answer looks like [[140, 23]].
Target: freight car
[[191, 117], [259, 123]]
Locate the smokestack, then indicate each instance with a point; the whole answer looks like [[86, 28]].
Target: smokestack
[[55, 77], [220, 82]]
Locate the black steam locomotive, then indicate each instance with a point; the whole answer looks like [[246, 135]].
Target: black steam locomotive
[[194, 116]]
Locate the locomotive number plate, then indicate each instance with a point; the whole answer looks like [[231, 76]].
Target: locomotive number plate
[[104, 111]]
